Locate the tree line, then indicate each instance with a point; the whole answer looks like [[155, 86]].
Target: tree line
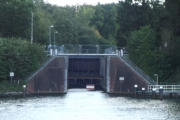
[[149, 29]]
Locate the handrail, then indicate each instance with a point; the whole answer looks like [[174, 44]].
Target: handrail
[[165, 88], [137, 69], [82, 49], [41, 68]]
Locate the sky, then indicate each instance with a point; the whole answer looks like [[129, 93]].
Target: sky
[[79, 2]]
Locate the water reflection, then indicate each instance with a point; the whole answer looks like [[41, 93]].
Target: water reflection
[[85, 105]]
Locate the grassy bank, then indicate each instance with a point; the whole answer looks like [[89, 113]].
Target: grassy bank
[[22, 58], [6, 86]]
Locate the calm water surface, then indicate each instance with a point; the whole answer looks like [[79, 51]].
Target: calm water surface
[[85, 105]]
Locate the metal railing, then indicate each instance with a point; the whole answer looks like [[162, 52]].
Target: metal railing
[[97, 50], [82, 49], [165, 88], [41, 68], [137, 69]]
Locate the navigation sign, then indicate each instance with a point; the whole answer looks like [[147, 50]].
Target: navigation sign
[[11, 74]]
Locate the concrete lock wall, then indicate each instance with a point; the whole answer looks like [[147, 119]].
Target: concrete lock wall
[[117, 76], [118, 70], [52, 78]]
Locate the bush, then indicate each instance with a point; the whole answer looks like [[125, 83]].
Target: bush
[[6, 86], [20, 57]]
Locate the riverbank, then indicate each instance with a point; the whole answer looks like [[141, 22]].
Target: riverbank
[[8, 89], [11, 94]]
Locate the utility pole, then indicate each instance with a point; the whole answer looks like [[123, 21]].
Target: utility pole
[[32, 24]]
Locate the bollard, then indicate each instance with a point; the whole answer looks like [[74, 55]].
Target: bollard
[[143, 92], [24, 90], [135, 86], [153, 92], [161, 92]]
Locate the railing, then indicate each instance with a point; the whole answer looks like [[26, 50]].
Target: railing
[[41, 68], [165, 88], [137, 69], [82, 49], [94, 50]]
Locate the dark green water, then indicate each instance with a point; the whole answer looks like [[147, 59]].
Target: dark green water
[[85, 105]]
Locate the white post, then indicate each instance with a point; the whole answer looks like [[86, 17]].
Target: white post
[[51, 51], [122, 53], [56, 52]]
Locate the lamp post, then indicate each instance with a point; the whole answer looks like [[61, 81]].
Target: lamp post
[[55, 50], [49, 47], [55, 37], [143, 91], [50, 27], [135, 86], [156, 75], [24, 90]]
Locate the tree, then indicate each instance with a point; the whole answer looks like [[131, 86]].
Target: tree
[[131, 16], [20, 57], [144, 51], [104, 21], [15, 16]]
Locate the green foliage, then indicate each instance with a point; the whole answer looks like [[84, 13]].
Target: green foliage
[[85, 13], [20, 57], [150, 31], [5, 86], [15, 16], [144, 51], [42, 21], [131, 17], [104, 20], [70, 22]]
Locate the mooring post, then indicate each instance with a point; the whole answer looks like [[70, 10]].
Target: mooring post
[[161, 92], [135, 86], [24, 90], [143, 92]]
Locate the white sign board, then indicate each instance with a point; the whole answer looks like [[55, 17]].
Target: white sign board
[[11, 74], [121, 78]]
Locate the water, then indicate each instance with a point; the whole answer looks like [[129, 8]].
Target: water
[[85, 105]]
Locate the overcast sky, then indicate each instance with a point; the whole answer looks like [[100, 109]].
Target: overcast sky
[[79, 2]]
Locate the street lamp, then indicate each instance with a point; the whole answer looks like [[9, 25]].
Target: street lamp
[[156, 75], [50, 27], [143, 89], [55, 37], [24, 90], [135, 86], [55, 50]]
